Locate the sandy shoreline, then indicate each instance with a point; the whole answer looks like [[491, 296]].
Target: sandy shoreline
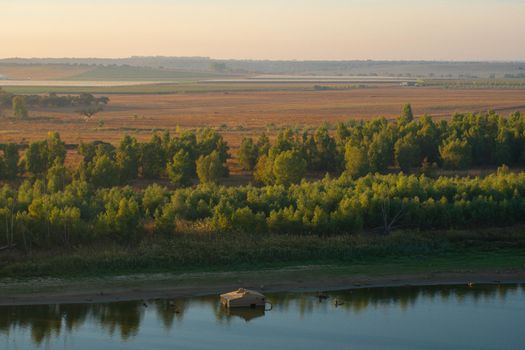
[[167, 286]]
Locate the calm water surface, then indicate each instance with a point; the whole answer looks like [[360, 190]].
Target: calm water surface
[[449, 317]]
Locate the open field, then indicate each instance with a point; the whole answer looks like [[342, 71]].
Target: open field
[[164, 88], [240, 113], [243, 109]]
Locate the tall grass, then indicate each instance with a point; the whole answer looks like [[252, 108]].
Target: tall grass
[[241, 251]]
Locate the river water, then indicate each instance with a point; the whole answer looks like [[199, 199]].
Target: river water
[[437, 317]]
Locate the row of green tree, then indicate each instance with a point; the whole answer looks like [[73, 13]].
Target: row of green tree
[[355, 148], [34, 216], [361, 147], [182, 159]]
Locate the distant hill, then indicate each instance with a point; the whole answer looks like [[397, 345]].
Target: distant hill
[[37, 70], [154, 68]]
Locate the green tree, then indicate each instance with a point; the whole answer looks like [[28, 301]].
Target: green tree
[[36, 158], [263, 144], [166, 141], [209, 140], [122, 222], [264, 170], [87, 150], [356, 160], [56, 177], [288, 168], [2, 168], [244, 220], [11, 159], [287, 140], [342, 134], [154, 197], [181, 169], [209, 168], [56, 148], [429, 139], [406, 115], [19, 107], [456, 154], [103, 171], [127, 158], [152, 158], [325, 155], [320, 221], [68, 222], [379, 152], [248, 154], [406, 151], [502, 152], [186, 141]]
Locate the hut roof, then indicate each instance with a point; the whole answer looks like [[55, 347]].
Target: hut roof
[[241, 293]]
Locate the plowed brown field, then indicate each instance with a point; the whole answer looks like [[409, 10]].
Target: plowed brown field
[[242, 113]]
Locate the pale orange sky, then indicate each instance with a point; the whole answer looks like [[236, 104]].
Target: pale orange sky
[[269, 29]]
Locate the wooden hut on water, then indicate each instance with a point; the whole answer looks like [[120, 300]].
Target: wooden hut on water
[[243, 298]]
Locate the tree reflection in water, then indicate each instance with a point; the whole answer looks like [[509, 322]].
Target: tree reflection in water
[[124, 318]]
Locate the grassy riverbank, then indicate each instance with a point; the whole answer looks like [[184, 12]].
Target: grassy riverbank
[[503, 267], [401, 252], [201, 265]]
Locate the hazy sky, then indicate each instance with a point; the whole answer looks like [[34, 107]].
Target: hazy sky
[[269, 29]]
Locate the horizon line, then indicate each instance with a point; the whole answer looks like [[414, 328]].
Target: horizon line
[[522, 60]]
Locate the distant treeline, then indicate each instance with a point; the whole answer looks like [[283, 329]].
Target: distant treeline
[[514, 76], [53, 100], [354, 67], [507, 83]]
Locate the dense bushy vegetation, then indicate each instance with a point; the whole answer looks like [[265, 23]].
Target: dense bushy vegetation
[[181, 158], [33, 216], [58, 205]]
